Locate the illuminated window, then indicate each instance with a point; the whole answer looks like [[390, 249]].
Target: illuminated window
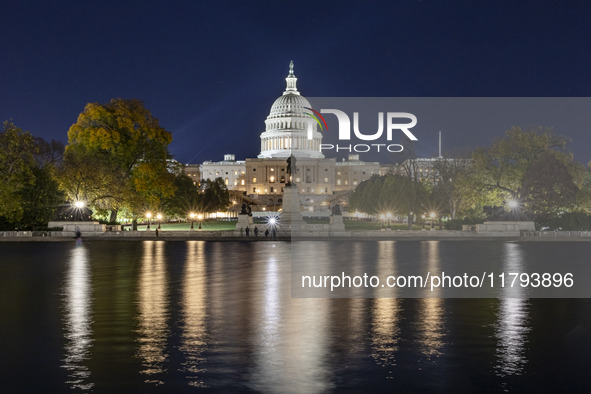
[[242, 182], [272, 179], [235, 182], [325, 180], [254, 180], [346, 182], [338, 182], [226, 181]]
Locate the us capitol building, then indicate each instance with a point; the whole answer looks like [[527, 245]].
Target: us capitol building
[[261, 180]]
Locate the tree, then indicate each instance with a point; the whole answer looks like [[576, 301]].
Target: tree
[[391, 193], [17, 160], [214, 195], [500, 170], [40, 198], [584, 194], [453, 182], [186, 198], [117, 157], [415, 193], [548, 188], [29, 194]]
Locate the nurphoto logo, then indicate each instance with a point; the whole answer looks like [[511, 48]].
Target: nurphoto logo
[[392, 125]]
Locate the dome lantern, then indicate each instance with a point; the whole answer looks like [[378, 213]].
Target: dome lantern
[[291, 81]]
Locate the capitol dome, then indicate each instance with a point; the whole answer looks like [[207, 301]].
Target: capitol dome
[[290, 104], [289, 129]]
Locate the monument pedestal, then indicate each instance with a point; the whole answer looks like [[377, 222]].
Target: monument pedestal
[[291, 218], [244, 221], [84, 227], [337, 226]]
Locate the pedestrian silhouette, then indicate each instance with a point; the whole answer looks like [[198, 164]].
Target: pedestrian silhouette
[[267, 233], [247, 231], [256, 231]]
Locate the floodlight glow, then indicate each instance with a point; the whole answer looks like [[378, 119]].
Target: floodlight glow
[[148, 215], [272, 221], [159, 216], [200, 216], [512, 204], [432, 215], [192, 215], [79, 204]]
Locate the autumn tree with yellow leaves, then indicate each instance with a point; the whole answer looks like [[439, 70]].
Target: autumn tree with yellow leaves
[[117, 158]]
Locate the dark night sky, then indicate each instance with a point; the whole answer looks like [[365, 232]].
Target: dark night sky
[[211, 70]]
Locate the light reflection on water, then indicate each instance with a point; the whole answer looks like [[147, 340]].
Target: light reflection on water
[[386, 312], [206, 314], [291, 340], [194, 311], [78, 320], [430, 321], [153, 312], [512, 319]]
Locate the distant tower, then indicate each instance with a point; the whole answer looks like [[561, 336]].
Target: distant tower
[[440, 145]]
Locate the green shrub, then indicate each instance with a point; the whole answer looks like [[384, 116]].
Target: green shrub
[[456, 224]]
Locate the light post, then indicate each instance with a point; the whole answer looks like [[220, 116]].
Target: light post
[[432, 215], [159, 217], [423, 220], [382, 220], [148, 215], [200, 217], [192, 216], [389, 216]]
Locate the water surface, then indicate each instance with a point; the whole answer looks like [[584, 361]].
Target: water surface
[[157, 316]]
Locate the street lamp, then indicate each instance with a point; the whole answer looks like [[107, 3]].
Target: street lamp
[[159, 217], [432, 216], [382, 220], [148, 215], [200, 217], [389, 216], [192, 216]]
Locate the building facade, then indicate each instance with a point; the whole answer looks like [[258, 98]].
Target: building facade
[[290, 131]]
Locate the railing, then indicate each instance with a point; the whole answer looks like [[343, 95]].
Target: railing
[[16, 234], [557, 234]]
